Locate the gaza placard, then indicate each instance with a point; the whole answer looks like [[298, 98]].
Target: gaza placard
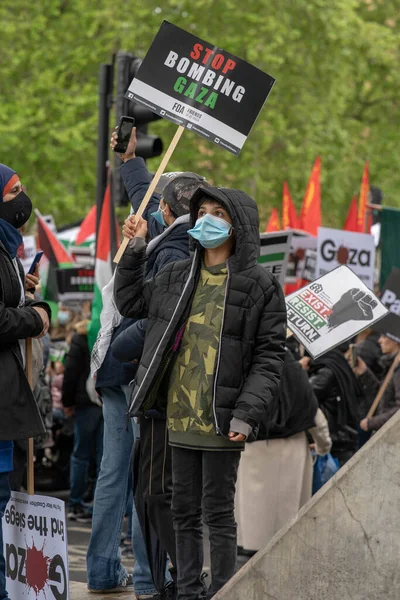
[[332, 310], [200, 86], [356, 250], [35, 548]]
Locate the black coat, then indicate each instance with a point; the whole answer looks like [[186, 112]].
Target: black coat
[[296, 406], [77, 370], [252, 341], [339, 396], [19, 415]]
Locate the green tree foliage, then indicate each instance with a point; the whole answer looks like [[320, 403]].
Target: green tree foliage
[[336, 65]]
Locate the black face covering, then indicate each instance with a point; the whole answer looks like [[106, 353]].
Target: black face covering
[[17, 211]]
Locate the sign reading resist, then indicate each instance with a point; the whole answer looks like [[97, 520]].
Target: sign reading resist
[[197, 85], [331, 310]]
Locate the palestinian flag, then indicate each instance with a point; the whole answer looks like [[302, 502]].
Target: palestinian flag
[[106, 248], [55, 257]]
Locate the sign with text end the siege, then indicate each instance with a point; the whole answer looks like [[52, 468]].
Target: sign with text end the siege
[[274, 253], [197, 85], [356, 250], [35, 548], [332, 310], [390, 297]]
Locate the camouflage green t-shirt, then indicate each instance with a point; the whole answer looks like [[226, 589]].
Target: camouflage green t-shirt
[[190, 411]]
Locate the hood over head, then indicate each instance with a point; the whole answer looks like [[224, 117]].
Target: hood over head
[[245, 221], [8, 178]]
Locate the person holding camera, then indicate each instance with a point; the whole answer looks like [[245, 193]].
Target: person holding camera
[[20, 318]]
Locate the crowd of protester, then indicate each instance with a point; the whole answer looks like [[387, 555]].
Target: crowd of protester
[[196, 406]]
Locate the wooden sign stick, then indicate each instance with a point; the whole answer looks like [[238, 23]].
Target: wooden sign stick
[[152, 186], [384, 386], [28, 371]]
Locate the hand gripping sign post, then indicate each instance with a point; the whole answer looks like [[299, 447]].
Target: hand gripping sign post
[[35, 537], [332, 310], [199, 87]]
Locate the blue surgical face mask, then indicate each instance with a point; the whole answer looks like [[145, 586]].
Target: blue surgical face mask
[[159, 216], [211, 231], [63, 317]]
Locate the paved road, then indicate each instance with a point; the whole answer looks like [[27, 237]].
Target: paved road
[[78, 540]]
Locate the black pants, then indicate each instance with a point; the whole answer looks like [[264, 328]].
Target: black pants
[[208, 479], [156, 482]]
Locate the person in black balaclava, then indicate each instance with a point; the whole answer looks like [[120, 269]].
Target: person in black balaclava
[[20, 318]]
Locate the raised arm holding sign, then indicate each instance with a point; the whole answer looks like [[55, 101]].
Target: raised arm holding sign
[[199, 87]]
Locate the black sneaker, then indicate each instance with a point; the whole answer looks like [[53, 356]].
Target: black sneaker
[[79, 513], [169, 592], [126, 585]]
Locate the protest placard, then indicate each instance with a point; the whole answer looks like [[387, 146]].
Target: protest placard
[[300, 242], [35, 548], [356, 250], [274, 253], [76, 283], [27, 252], [332, 310], [201, 87], [390, 325]]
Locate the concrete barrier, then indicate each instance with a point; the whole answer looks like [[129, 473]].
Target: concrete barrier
[[344, 544]]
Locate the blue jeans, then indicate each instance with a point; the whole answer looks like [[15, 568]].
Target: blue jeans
[[4, 498], [88, 434], [104, 567]]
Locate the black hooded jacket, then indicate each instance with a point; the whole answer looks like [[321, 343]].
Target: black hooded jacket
[[19, 415], [339, 395], [252, 341]]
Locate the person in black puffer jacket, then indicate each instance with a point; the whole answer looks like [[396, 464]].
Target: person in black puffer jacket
[[88, 429], [213, 354], [20, 318]]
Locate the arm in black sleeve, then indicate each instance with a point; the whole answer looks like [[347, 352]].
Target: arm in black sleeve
[[19, 323], [73, 366], [322, 382], [262, 382], [136, 180], [132, 292], [128, 345], [379, 420]]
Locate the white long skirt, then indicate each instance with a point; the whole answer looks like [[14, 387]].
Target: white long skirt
[[274, 481]]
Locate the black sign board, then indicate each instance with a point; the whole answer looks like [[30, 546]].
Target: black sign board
[[390, 325], [76, 283], [201, 87]]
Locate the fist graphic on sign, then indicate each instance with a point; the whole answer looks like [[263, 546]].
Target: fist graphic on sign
[[354, 305]]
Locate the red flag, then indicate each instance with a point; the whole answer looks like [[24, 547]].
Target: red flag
[[88, 227], [310, 218], [352, 216], [290, 220], [362, 224], [274, 222]]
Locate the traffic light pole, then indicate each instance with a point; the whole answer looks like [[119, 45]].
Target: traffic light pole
[[105, 99]]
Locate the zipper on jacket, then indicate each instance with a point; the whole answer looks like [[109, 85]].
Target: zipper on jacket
[[217, 428], [166, 331]]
